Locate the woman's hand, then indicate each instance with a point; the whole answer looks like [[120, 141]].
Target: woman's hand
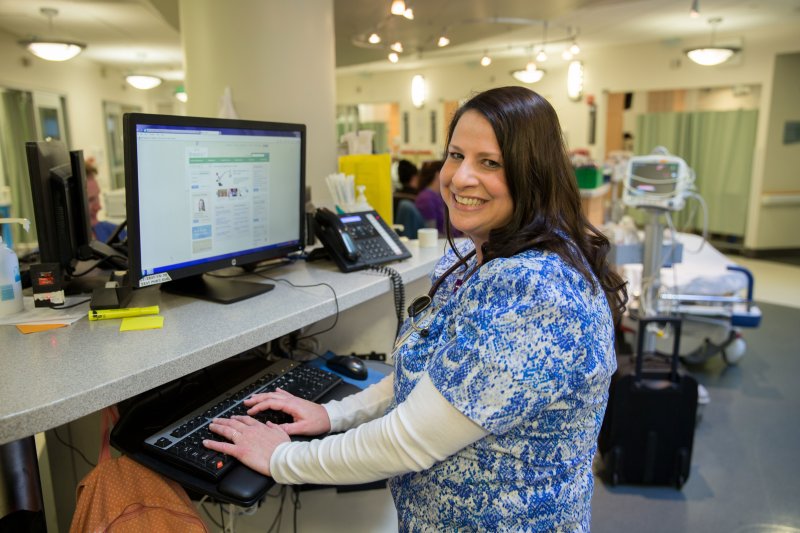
[[309, 418], [251, 442]]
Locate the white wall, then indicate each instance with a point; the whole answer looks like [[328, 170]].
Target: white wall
[[642, 67], [777, 222]]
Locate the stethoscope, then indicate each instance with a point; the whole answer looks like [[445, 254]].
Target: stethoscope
[[420, 304]]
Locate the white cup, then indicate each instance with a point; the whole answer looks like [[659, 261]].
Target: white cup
[[428, 237]]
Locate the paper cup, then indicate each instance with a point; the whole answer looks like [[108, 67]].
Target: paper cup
[[428, 237]]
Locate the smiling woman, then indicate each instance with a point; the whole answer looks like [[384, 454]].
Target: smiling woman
[[517, 326]]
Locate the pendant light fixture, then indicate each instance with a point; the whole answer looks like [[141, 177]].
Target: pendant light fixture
[[143, 82], [140, 80], [530, 74], [712, 54], [50, 48]]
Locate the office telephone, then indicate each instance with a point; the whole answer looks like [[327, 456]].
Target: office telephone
[[356, 241]]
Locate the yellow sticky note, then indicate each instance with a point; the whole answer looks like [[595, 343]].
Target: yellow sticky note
[[135, 323]]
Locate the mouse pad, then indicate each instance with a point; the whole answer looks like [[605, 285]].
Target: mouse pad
[[373, 376]]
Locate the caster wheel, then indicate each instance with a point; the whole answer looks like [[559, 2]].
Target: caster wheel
[[734, 352]]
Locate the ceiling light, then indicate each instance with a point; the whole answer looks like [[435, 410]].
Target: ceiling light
[[711, 54], [542, 55], [575, 81], [530, 74], [694, 12], [419, 91], [408, 13], [486, 60], [393, 57], [374, 38], [52, 49], [398, 7], [443, 41], [574, 49], [143, 81], [397, 47], [180, 94]]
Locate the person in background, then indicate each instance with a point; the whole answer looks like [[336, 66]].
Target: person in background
[[101, 229], [408, 176], [490, 419], [429, 200]]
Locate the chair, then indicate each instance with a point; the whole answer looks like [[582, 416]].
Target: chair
[[409, 217]]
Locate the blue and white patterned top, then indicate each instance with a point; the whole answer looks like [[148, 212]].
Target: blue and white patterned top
[[524, 348]]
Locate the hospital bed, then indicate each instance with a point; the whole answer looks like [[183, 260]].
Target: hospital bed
[[712, 294]]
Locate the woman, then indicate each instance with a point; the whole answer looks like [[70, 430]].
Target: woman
[[429, 199], [491, 417]]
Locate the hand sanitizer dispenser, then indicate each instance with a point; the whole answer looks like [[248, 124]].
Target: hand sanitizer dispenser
[[361, 200], [10, 281]]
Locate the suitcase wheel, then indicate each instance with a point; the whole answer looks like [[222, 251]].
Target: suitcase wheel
[[614, 464]]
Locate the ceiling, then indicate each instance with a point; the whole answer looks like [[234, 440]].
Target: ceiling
[[145, 34]]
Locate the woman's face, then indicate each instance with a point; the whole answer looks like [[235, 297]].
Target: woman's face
[[473, 179]]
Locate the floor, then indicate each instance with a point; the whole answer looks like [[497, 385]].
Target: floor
[[744, 477]]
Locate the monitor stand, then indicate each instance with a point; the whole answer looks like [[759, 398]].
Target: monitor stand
[[213, 289]]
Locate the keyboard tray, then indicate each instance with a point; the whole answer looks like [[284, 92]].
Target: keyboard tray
[[149, 412]]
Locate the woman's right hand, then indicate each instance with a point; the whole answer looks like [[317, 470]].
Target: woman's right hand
[[309, 418]]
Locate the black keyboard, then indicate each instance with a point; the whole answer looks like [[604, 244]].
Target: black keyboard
[[182, 441]]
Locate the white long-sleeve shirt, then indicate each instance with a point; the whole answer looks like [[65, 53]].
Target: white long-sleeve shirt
[[419, 432]]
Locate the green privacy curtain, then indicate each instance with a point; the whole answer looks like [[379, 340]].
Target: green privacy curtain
[[718, 145], [16, 127]]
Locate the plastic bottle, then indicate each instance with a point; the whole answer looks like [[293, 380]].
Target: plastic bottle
[[5, 212], [10, 281]]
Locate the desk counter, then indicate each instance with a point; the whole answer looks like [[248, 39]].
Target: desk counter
[[51, 378]]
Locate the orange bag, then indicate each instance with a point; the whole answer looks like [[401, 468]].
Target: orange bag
[[122, 496]]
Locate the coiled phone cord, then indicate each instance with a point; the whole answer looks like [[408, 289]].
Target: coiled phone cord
[[398, 289]]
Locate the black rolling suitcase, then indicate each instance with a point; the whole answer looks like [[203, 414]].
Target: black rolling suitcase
[[648, 429]]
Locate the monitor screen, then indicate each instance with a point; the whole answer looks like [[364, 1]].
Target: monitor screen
[[208, 193], [657, 181], [655, 177], [61, 213]]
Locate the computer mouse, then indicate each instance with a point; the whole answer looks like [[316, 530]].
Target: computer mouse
[[348, 365]]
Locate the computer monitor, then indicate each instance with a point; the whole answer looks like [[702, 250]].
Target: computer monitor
[[207, 193], [61, 212], [657, 181]]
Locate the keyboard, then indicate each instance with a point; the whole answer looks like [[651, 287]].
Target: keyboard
[[181, 442]]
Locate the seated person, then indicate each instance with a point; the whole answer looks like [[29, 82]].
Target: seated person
[[102, 230], [408, 176], [429, 199]]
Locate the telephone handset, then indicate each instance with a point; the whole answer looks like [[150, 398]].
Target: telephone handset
[[356, 241]]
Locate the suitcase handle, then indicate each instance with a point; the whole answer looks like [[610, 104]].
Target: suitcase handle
[[643, 322]]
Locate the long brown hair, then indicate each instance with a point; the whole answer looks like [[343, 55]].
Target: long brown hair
[[547, 205]]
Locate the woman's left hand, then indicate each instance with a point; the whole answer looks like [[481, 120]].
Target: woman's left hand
[[251, 442]]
